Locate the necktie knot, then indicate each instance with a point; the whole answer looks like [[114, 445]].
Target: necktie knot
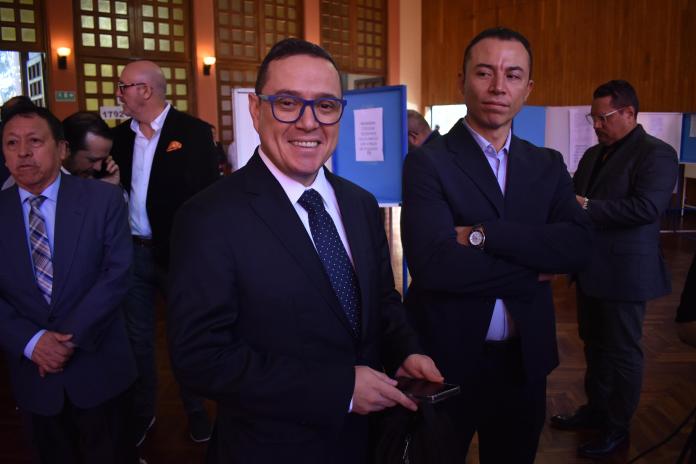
[[37, 201], [311, 201]]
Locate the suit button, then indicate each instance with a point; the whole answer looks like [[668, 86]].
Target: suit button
[[51, 318]]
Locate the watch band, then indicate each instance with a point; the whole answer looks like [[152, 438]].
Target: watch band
[[585, 203]]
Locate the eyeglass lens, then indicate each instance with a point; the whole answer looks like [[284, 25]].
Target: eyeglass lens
[[288, 109]]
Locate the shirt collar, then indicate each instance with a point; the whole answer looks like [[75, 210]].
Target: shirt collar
[[294, 189], [50, 192], [156, 124], [483, 143]]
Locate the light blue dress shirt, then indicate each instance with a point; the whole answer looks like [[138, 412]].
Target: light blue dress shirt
[[48, 212], [502, 325]]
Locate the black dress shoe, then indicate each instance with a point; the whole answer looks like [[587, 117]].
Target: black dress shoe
[[199, 426], [583, 418], [604, 444], [142, 426]]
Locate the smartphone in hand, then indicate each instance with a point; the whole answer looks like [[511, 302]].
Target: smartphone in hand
[[426, 391]]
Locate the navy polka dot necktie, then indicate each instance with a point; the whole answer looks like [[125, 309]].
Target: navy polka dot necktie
[[333, 256]]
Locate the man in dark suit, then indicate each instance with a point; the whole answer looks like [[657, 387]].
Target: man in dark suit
[[624, 184], [419, 131], [282, 298], [21, 100], [165, 157], [66, 253], [487, 218], [4, 172]]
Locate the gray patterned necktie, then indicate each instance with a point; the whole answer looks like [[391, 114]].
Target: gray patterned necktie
[[40, 248]]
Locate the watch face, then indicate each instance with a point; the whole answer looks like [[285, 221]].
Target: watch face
[[476, 238]]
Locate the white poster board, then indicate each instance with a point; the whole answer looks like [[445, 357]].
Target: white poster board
[[568, 132], [246, 139], [665, 126]]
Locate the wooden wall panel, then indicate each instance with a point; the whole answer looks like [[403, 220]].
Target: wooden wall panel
[[577, 45]]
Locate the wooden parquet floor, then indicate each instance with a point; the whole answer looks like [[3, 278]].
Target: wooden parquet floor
[[669, 387]]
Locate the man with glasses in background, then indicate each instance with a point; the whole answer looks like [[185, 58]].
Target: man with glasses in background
[[282, 300], [624, 184], [165, 157]]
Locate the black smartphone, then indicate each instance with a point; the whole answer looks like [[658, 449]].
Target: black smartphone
[[103, 172], [423, 390]]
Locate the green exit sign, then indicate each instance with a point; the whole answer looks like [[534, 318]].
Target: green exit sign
[[65, 96]]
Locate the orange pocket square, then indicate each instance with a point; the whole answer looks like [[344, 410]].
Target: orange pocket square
[[174, 145]]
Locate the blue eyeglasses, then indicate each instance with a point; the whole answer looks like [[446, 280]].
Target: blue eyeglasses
[[289, 109]]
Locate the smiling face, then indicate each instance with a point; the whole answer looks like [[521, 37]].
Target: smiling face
[[32, 154], [495, 84], [301, 148]]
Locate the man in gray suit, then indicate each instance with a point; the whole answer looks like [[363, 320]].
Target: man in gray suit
[[624, 184]]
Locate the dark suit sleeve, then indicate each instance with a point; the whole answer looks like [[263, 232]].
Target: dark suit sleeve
[[15, 330], [208, 350], [650, 191], [561, 245], [434, 257], [102, 301], [398, 340]]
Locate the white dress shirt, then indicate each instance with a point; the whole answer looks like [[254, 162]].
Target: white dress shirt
[[502, 325], [294, 190], [143, 155]]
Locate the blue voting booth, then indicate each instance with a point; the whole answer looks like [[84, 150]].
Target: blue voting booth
[[688, 143], [530, 124], [381, 178]]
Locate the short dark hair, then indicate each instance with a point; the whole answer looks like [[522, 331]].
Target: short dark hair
[[621, 92], [289, 47], [27, 111], [16, 101], [500, 33], [78, 125], [418, 120]]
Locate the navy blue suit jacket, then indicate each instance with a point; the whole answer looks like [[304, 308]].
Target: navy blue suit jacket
[[628, 197], [91, 259], [254, 322], [537, 227]]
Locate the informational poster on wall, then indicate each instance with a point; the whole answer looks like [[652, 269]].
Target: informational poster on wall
[[665, 126], [369, 135], [246, 139], [581, 136]]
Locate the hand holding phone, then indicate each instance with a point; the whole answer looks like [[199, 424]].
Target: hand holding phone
[[424, 390]]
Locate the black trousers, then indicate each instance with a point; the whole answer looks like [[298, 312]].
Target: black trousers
[[686, 312], [505, 409], [85, 436], [612, 331]]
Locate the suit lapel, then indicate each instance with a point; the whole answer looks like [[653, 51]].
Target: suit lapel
[[69, 217], [272, 206], [354, 225], [471, 160], [15, 243], [582, 177], [516, 177], [617, 160], [158, 172]]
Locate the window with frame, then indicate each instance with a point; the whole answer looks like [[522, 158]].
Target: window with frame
[[21, 26], [245, 30], [354, 32], [157, 30]]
